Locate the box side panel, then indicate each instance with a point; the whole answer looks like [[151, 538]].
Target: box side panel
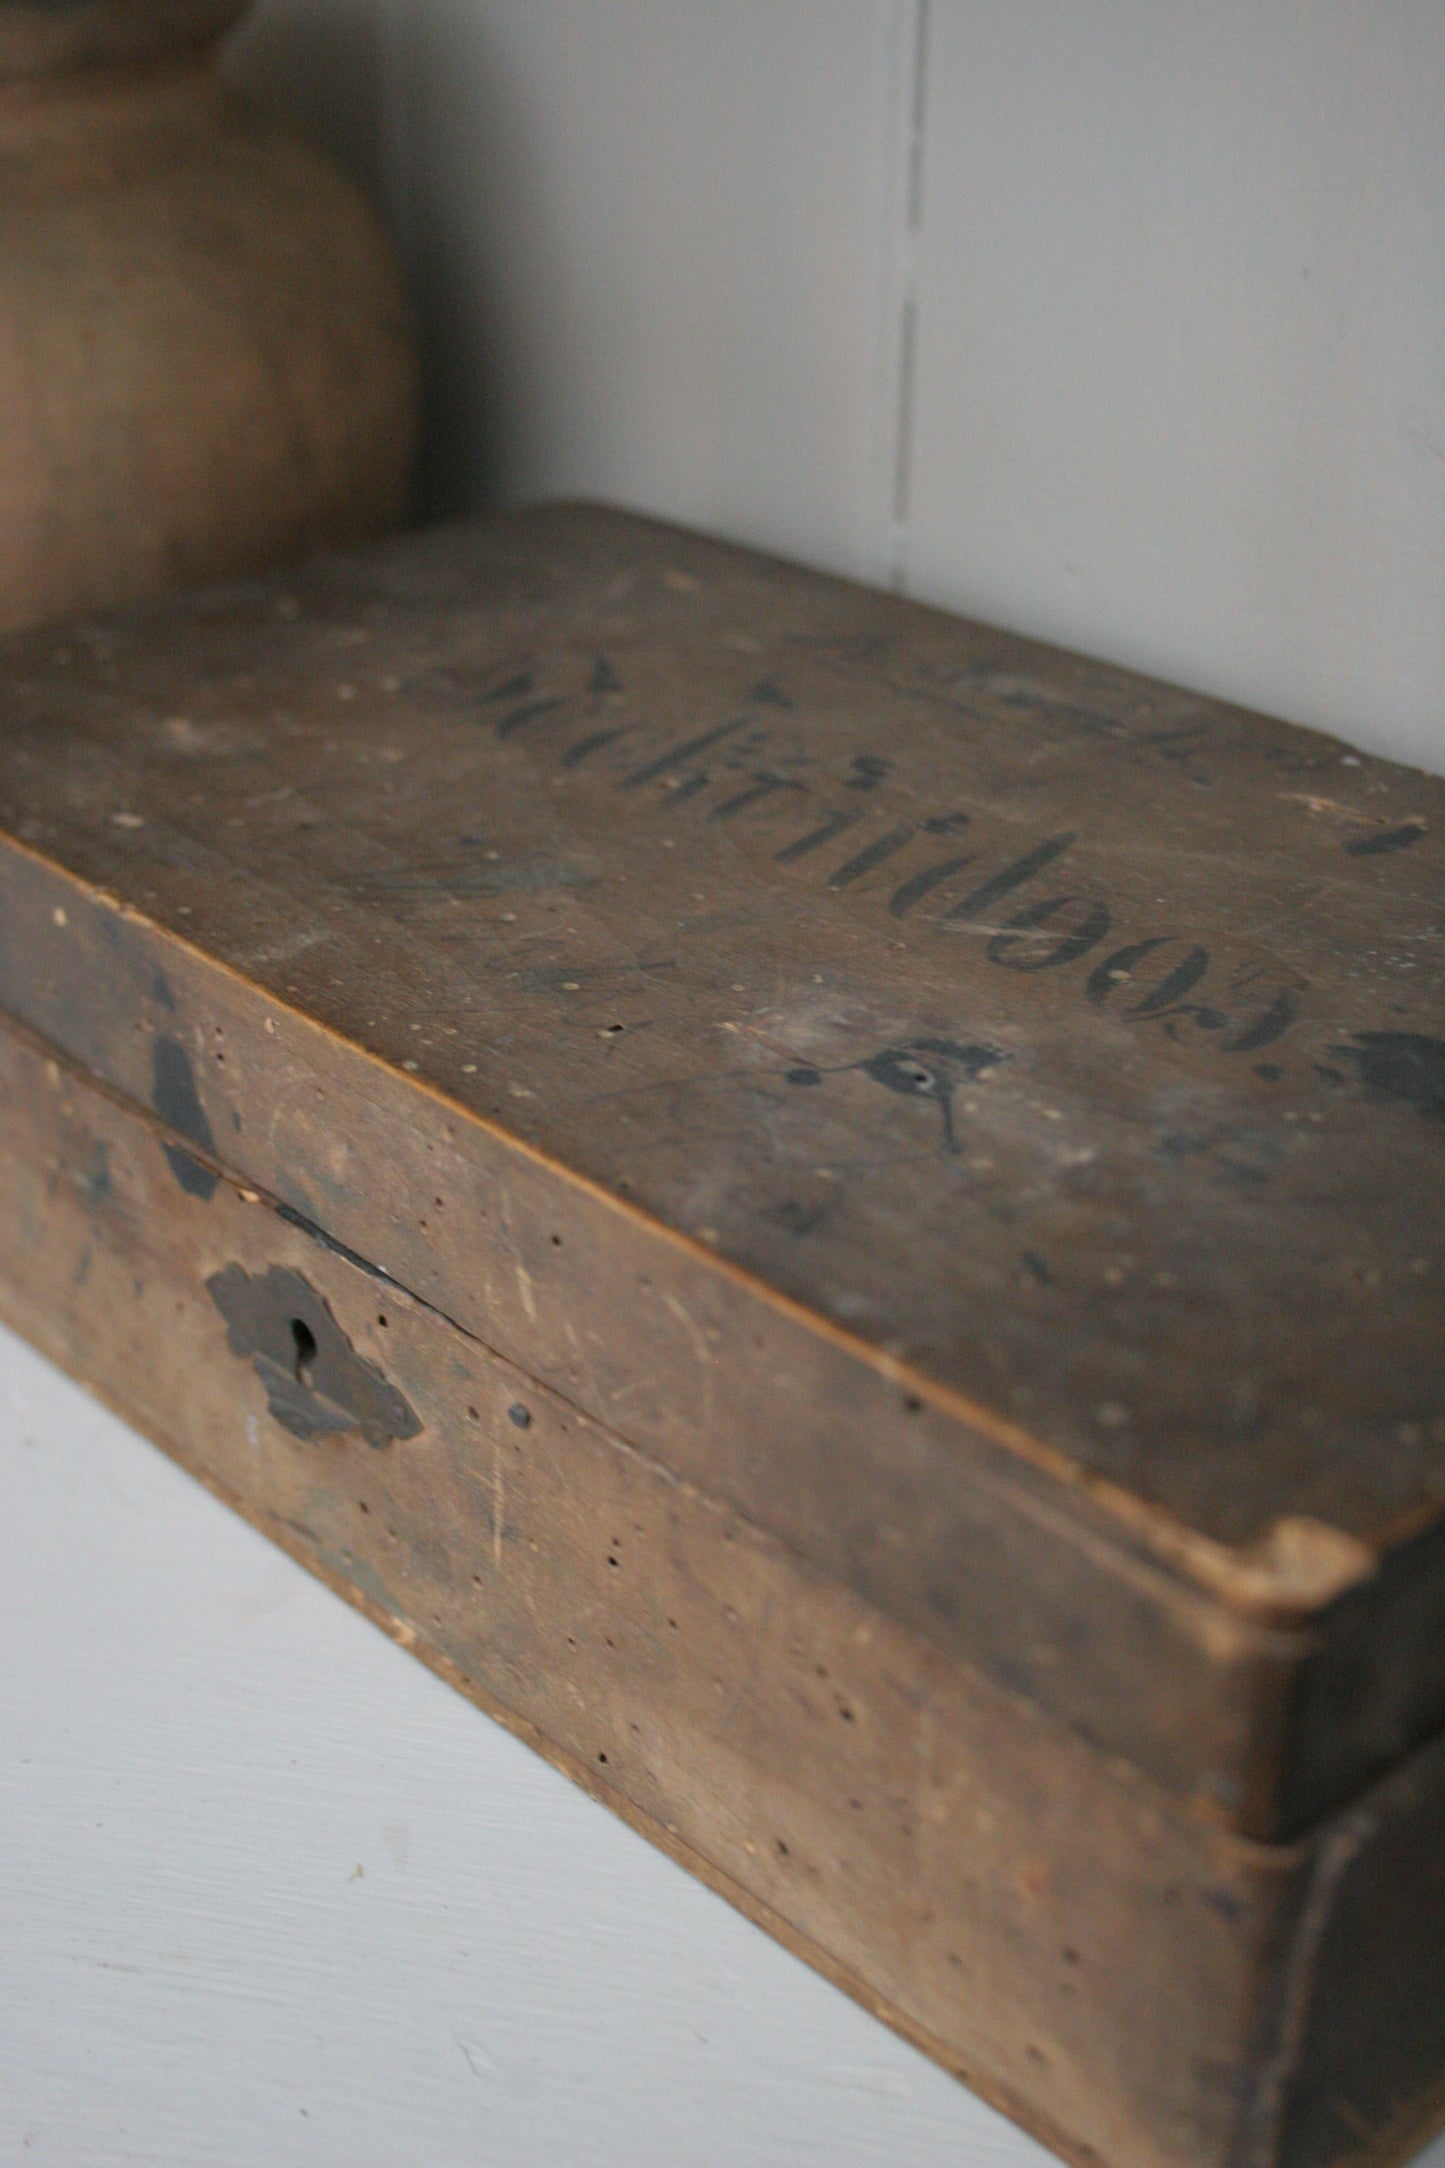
[[944, 1528], [1364, 1700], [1367, 2080], [1097, 1960]]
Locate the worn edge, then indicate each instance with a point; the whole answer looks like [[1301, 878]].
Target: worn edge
[[1297, 1569]]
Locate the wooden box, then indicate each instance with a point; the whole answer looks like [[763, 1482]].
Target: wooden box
[[840, 1217]]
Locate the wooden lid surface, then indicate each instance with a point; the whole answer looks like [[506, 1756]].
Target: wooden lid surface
[[1073, 1044]]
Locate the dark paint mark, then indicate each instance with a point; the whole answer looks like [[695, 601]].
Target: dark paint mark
[[921, 1069], [317, 1386], [800, 1219], [1176, 734], [814, 840], [604, 678], [161, 992], [195, 1179], [919, 885], [762, 786], [1002, 949], [174, 1095], [1174, 985], [769, 691], [1035, 1264], [518, 718], [511, 688], [1005, 882], [869, 770], [1404, 1065], [519, 1415], [872, 855], [688, 750], [1179, 1144], [177, 1102], [1389, 839], [586, 747], [93, 1181], [1273, 1025], [931, 1069], [1118, 968]]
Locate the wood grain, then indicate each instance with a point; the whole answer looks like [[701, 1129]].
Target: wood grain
[[1035, 1070], [1131, 1982], [835, 1215]]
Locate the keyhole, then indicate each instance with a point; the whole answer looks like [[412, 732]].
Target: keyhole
[[305, 1340]]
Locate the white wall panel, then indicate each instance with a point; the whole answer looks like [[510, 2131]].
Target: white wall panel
[[1177, 275], [648, 246], [1180, 386]]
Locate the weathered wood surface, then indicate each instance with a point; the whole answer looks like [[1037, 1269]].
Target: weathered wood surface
[[1135, 1983], [975, 1111]]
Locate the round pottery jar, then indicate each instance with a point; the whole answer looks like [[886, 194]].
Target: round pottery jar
[[205, 352]]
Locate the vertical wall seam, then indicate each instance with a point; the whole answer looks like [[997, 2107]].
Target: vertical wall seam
[[902, 45], [908, 301]]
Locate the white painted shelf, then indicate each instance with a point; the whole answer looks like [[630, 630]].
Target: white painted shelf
[[272, 1896]]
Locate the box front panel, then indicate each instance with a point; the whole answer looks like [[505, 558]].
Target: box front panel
[[1099, 1961]]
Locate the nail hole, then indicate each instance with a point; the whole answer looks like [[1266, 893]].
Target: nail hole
[[305, 1340]]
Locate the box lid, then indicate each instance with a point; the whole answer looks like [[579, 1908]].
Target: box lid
[[979, 1113]]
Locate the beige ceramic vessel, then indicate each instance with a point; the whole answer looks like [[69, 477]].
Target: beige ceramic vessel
[[205, 353]]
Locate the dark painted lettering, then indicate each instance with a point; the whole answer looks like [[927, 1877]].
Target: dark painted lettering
[[1005, 882], [1118, 969], [762, 786], [1015, 947], [814, 840], [873, 855], [676, 756], [1265, 1029], [922, 884], [1174, 986]]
